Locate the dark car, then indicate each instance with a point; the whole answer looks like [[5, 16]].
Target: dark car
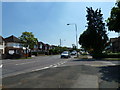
[[65, 54]]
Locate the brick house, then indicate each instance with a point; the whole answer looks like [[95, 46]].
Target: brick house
[[115, 44], [41, 47], [13, 47]]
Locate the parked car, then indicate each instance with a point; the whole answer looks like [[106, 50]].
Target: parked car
[[73, 52], [65, 54]]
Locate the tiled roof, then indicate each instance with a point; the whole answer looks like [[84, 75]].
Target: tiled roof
[[1, 38], [40, 43], [12, 39]]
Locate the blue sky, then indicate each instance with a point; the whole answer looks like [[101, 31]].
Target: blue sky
[[47, 20]]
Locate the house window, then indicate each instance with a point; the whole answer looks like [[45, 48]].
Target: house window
[[41, 46], [35, 46], [11, 52]]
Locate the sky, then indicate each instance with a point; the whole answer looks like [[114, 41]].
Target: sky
[[48, 20]]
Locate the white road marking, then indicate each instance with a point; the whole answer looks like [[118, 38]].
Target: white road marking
[[50, 66], [41, 69], [55, 66], [1, 66], [25, 63]]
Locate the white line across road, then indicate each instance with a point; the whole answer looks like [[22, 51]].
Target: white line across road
[[1, 66], [25, 63], [51, 66]]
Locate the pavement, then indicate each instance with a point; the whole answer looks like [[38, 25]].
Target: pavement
[[53, 72], [60, 77]]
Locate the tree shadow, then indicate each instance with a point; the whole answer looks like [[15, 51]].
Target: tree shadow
[[84, 60], [110, 73], [93, 60]]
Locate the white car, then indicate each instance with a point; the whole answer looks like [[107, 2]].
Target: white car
[[74, 52], [65, 54]]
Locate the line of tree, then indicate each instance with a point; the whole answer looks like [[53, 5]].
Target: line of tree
[[94, 38], [113, 22], [29, 41]]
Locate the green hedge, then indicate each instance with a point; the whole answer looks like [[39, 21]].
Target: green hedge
[[107, 55], [34, 53]]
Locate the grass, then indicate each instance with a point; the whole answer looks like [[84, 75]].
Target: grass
[[111, 58], [85, 57], [25, 58], [82, 57]]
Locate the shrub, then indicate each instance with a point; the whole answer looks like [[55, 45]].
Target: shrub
[[106, 55]]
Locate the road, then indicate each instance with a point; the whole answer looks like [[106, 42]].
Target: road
[[14, 67], [54, 72]]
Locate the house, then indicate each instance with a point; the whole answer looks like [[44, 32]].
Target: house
[[115, 44], [53, 46], [41, 47], [14, 48], [2, 46], [47, 48]]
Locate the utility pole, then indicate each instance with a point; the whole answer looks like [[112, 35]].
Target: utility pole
[[76, 35], [60, 42]]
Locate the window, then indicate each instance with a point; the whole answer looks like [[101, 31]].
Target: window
[[11, 52]]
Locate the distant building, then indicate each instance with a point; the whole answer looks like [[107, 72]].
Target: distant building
[[115, 44], [2, 46], [53, 47]]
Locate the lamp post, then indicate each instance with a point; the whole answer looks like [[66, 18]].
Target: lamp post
[[76, 35]]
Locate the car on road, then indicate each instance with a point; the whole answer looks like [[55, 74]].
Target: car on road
[[74, 52], [65, 54]]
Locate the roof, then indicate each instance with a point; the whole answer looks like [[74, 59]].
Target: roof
[[12, 39], [40, 43], [112, 40], [47, 44], [1, 38]]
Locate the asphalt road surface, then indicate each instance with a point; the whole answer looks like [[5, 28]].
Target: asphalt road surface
[[14, 67], [53, 72]]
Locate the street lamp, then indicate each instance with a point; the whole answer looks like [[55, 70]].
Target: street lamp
[[76, 35]]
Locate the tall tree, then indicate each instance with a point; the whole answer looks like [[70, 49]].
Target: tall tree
[[113, 22], [28, 39], [95, 37]]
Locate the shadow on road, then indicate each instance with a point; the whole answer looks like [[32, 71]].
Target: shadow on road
[[93, 60], [84, 60], [110, 73]]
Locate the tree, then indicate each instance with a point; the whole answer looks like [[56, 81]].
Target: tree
[[113, 22], [28, 40], [94, 38]]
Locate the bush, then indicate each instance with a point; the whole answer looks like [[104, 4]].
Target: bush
[[84, 53], [40, 52], [34, 53], [106, 55], [53, 51]]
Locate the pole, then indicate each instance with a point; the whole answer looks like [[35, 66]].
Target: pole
[[76, 35], [60, 42], [60, 45], [76, 39]]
